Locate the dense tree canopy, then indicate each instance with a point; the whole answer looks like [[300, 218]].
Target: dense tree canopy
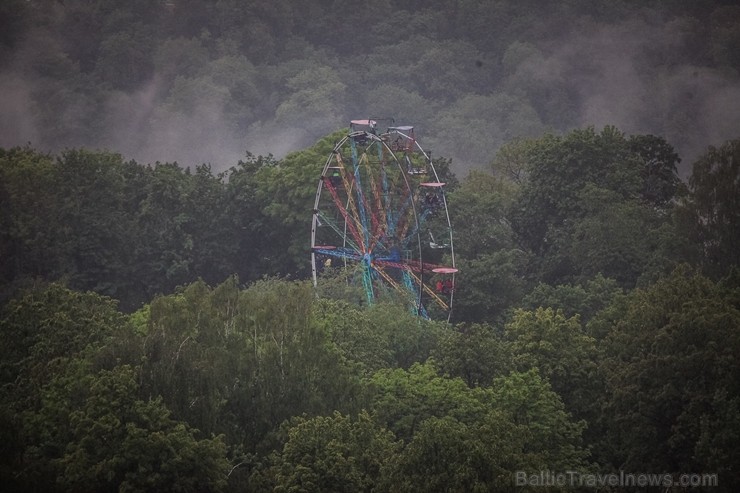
[[211, 385], [159, 328]]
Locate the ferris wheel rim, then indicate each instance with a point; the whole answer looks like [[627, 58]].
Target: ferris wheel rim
[[357, 254]]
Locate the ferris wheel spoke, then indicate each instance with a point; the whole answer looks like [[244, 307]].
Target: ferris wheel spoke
[[417, 227], [409, 285], [401, 219], [410, 265], [340, 233], [348, 217], [343, 253], [367, 282], [406, 286], [379, 220], [437, 299], [369, 204], [372, 205], [387, 202], [350, 210], [360, 200], [349, 183]]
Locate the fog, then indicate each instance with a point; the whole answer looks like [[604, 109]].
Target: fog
[[637, 75]]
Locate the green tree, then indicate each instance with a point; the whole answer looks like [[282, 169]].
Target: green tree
[[99, 436], [671, 371], [332, 453], [317, 97], [551, 437], [446, 454], [712, 209], [125, 58], [476, 353], [622, 240], [561, 351], [597, 203], [286, 192], [474, 439], [180, 56], [240, 362], [46, 328], [659, 172], [491, 263], [559, 169], [499, 117], [403, 399], [585, 299], [28, 235], [93, 209], [252, 231], [380, 336]]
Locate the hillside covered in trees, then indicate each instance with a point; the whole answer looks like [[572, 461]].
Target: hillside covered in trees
[[160, 329], [199, 81]]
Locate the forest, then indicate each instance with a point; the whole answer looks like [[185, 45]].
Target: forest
[[158, 167]]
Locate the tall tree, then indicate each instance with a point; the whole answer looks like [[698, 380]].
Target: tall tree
[[672, 376], [333, 453], [589, 205], [29, 238], [561, 351], [713, 206]]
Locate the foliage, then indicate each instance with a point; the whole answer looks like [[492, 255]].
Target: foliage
[[333, 453], [712, 207], [286, 193], [115, 441], [381, 336], [596, 203], [560, 169], [240, 362], [152, 342], [671, 368], [585, 300], [471, 75], [550, 436], [475, 353], [44, 329], [490, 261], [575, 339], [561, 351], [126, 230], [73, 416], [473, 439], [405, 398]]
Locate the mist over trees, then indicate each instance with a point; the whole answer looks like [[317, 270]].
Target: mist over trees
[[197, 81], [158, 166]]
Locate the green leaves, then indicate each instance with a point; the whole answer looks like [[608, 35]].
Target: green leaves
[[116, 441], [560, 167], [593, 203], [47, 327], [561, 351], [405, 398], [549, 436], [713, 206], [333, 453], [467, 439], [126, 230], [672, 369]]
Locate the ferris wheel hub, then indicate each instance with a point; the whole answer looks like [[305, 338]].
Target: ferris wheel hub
[[377, 197]]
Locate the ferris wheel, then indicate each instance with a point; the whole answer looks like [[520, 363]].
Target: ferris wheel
[[380, 220]]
